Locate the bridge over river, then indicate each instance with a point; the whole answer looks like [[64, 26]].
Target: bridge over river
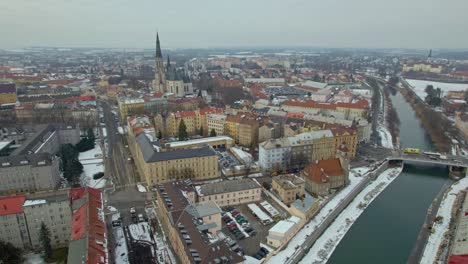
[[454, 162]]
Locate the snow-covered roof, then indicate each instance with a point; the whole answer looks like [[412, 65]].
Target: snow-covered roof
[[199, 141], [34, 202], [285, 226]]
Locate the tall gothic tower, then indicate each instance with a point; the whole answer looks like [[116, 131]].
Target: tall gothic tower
[[159, 83]]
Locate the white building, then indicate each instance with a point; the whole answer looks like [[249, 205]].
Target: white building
[[283, 231], [274, 154]]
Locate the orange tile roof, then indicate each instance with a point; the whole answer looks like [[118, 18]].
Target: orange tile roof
[[12, 205], [319, 170]]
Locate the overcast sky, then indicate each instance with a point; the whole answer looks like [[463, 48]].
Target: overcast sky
[[235, 23]]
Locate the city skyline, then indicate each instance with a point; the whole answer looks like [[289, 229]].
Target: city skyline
[[338, 24]]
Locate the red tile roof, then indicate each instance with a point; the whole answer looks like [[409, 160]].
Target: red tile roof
[[11, 205], [319, 170], [88, 223], [458, 259]]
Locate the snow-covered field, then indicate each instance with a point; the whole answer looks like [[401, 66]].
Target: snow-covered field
[[92, 163], [355, 178], [419, 86], [328, 241], [435, 239]]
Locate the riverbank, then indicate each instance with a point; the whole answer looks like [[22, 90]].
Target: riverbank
[[324, 246], [438, 241], [432, 121]]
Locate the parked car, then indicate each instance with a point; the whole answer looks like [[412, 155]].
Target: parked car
[[264, 250], [257, 256]]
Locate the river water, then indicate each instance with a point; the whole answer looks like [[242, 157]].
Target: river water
[[387, 230]]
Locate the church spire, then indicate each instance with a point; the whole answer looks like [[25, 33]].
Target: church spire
[[158, 47]]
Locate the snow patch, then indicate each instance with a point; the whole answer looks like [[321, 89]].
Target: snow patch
[[141, 188], [445, 210]]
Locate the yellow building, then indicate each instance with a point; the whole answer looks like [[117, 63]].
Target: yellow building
[[243, 128], [289, 187], [129, 107], [194, 120], [7, 93], [345, 139], [423, 67], [157, 164]]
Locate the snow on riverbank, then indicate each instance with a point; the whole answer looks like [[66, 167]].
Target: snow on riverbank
[[385, 137], [314, 223], [92, 163], [419, 86], [327, 242], [445, 210]]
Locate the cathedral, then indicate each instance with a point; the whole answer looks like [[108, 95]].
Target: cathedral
[[168, 79]]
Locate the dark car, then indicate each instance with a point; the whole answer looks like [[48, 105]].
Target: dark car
[[257, 256], [264, 250]]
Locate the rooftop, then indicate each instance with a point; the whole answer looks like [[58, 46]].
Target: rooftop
[[320, 170], [151, 153], [227, 186], [288, 181], [11, 205]]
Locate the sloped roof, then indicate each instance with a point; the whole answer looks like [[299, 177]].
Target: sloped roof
[[319, 170]]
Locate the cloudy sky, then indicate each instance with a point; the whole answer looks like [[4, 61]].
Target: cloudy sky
[[237, 23]]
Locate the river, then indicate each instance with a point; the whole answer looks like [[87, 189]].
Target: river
[[387, 230]]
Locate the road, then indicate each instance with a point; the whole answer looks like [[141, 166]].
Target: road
[[118, 167], [124, 193]]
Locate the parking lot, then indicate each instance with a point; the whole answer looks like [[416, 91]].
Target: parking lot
[[226, 159], [251, 244]]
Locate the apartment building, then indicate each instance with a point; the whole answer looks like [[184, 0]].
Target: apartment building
[[7, 93], [190, 228], [52, 209], [13, 222], [289, 187], [21, 218], [243, 128], [296, 151], [230, 192], [194, 120], [158, 164], [216, 122], [29, 173], [130, 107]]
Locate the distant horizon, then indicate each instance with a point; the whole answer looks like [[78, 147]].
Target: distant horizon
[[251, 48], [366, 24]]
